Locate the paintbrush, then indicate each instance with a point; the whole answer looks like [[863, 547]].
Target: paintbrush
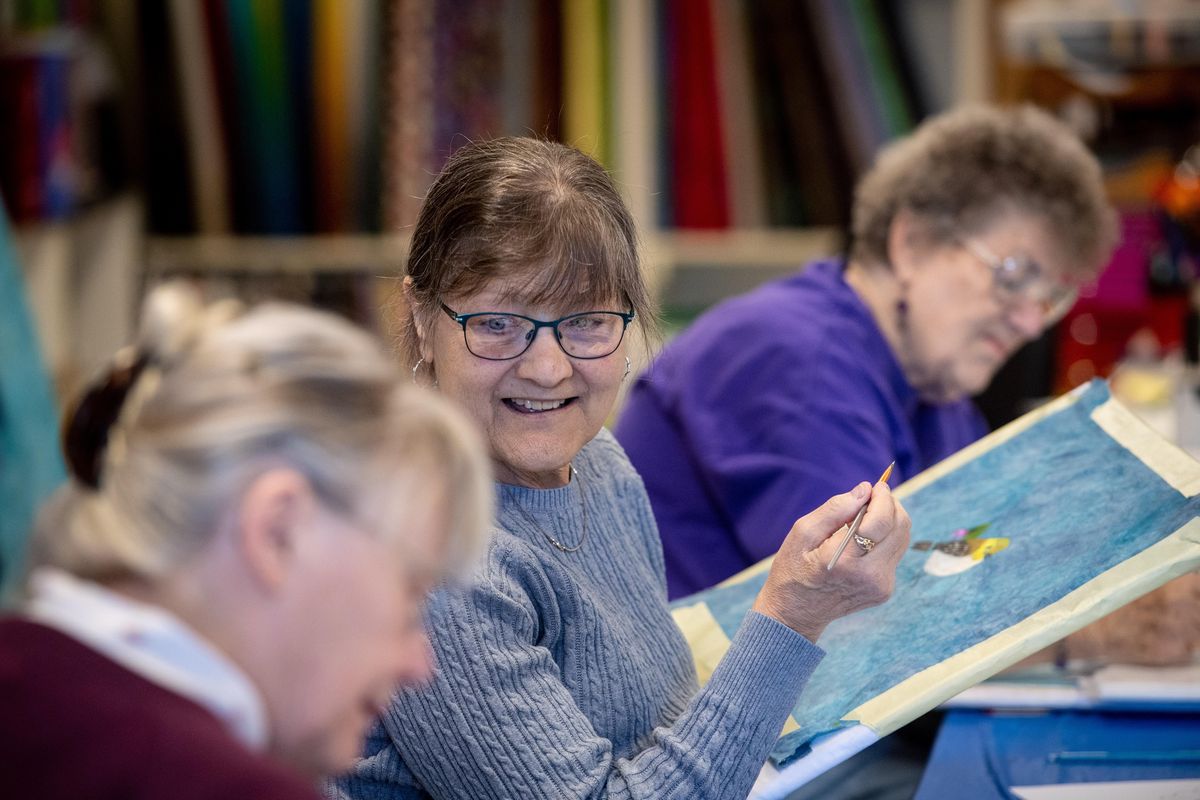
[[858, 518]]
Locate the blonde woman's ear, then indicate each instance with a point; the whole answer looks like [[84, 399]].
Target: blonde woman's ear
[[271, 523]]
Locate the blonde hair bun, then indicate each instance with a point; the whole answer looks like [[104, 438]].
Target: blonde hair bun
[[174, 318]]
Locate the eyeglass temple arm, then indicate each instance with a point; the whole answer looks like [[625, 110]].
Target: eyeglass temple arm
[[981, 251]]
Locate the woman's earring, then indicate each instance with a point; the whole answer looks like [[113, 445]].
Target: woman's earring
[[902, 309], [628, 368], [432, 374]]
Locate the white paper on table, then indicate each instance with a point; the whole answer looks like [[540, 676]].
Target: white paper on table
[[1129, 683], [1115, 790], [1112, 686], [1001, 693]]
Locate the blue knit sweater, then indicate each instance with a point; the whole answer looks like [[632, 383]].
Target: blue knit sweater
[[562, 675]]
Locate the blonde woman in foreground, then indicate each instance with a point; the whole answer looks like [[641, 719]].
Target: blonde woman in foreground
[[230, 586]]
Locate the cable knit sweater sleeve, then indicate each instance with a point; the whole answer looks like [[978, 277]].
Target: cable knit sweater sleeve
[[545, 687]]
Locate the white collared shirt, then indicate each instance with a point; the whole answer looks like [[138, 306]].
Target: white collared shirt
[[153, 643]]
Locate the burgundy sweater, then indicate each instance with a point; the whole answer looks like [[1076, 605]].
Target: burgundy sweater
[[75, 724]]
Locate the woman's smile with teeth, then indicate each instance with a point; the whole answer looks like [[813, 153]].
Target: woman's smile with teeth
[[535, 405]]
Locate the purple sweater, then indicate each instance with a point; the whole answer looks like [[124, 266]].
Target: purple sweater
[[767, 405]]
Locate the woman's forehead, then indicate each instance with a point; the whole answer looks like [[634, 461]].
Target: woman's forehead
[[1034, 238], [533, 290]]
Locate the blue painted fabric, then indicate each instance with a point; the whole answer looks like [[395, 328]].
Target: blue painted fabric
[[765, 407], [1073, 503], [30, 462]]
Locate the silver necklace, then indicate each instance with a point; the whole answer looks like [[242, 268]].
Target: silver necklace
[[583, 512]]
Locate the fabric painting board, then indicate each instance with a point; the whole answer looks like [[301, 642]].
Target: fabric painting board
[[1031, 533]]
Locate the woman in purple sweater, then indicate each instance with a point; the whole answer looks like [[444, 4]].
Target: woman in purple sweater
[[230, 586], [971, 236]]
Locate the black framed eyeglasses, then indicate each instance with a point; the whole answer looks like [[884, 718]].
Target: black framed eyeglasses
[[502, 336], [1021, 278]]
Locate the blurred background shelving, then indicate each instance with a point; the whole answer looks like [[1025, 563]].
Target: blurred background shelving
[[1127, 77], [281, 147]]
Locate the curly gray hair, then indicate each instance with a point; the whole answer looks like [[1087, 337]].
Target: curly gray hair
[[961, 169]]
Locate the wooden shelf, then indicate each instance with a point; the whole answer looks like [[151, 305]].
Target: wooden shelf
[[741, 248], [385, 254], [361, 253], [698, 268]]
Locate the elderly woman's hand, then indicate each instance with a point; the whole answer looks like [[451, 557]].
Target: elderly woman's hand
[[803, 594]]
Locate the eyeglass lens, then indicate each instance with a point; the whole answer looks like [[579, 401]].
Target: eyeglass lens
[[1024, 278], [501, 336]]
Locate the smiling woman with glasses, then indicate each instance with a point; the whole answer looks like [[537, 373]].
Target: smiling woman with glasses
[[560, 670]]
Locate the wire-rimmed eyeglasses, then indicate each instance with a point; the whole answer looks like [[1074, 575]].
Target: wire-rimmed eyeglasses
[[499, 336], [1020, 278]]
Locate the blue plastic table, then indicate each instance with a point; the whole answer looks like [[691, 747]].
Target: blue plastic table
[[980, 754]]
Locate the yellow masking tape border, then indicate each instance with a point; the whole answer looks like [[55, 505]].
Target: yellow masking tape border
[[709, 644], [704, 636], [1177, 468]]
